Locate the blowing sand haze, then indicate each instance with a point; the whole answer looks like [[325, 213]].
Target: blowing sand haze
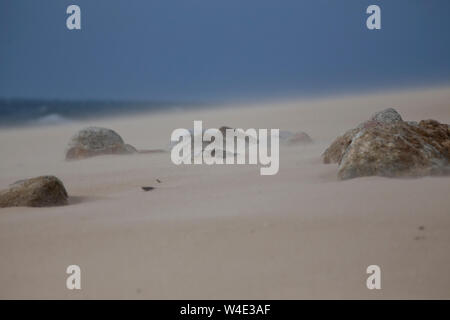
[[226, 231], [212, 151]]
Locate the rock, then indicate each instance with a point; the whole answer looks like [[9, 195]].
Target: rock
[[293, 139], [44, 191], [248, 138], [387, 146], [239, 133], [397, 149], [223, 130], [151, 151], [299, 138], [335, 152], [388, 115], [130, 148], [94, 141], [412, 123], [284, 135]]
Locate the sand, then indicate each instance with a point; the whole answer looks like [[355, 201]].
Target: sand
[[226, 232]]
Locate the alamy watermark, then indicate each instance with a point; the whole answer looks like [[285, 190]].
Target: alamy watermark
[[374, 280], [73, 21], [227, 146], [73, 281]]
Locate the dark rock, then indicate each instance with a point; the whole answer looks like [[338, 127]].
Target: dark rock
[[41, 191], [335, 152]]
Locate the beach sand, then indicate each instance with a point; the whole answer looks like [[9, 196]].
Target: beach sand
[[226, 232]]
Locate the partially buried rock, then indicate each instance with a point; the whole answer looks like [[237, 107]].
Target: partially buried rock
[[44, 191], [94, 141], [294, 138], [299, 138], [388, 146]]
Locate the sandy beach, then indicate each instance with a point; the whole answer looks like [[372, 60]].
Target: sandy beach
[[226, 232]]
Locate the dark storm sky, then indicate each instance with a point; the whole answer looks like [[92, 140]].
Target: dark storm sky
[[209, 49]]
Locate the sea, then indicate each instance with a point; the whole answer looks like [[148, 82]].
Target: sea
[[25, 112]]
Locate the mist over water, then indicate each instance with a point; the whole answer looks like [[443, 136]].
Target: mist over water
[[14, 112]]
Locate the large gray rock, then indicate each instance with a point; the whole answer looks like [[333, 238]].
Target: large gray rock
[[388, 146], [94, 141], [41, 191]]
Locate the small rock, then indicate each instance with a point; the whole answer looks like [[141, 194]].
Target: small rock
[[151, 151], [299, 138], [44, 191], [412, 123], [147, 188], [239, 136], [223, 130], [130, 148], [388, 115], [94, 141]]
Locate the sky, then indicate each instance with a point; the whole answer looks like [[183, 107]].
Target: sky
[[219, 49]]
